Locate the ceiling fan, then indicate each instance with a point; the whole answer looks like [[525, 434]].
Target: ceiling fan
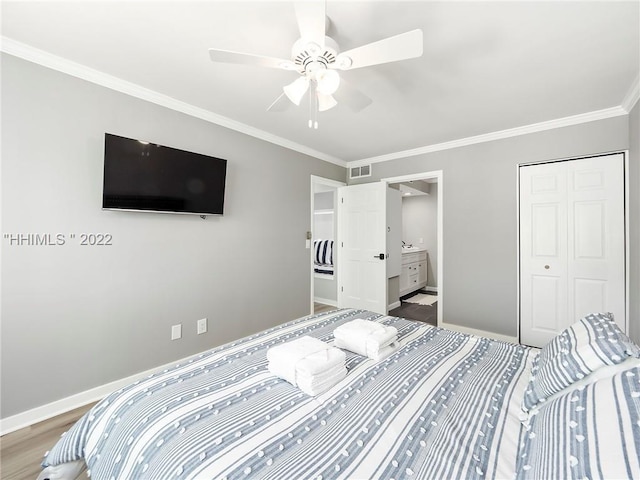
[[316, 58]]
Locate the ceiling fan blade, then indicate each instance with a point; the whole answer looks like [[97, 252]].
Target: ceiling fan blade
[[399, 47], [226, 56], [352, 97], [311, 21], [280, 104]]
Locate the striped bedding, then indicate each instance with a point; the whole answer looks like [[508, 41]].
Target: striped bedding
[[589, 432], [445, 405]]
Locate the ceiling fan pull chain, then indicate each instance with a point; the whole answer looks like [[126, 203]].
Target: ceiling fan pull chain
[[315, 105], [311, 104]]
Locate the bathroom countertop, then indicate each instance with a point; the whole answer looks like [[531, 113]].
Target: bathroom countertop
[[413, 250]]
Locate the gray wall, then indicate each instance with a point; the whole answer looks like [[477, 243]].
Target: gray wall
[[634, 215], [420, 220], [479, 187], [77, 317]]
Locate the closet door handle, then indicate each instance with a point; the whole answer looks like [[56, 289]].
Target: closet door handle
[[380, 256]]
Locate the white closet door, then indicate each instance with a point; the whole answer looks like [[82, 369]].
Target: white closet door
[[571, 244]]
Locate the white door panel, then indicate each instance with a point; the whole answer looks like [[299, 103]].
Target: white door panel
[[361, 239], [571, 244]]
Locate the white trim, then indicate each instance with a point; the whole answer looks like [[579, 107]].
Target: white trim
[[499, 135], [326, 301], [58, 407], [518, 280], [627, 243], [632, 96], [480, 333], [439, 176], [395, 305], [427, 288], [74, 69]]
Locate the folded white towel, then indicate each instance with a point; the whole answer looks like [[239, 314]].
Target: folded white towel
[[367, 338], [377, 355], [308, 363], [320, 383]]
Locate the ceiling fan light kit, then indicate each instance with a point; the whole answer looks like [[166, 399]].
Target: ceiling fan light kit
[[296, 89], [316, 59]]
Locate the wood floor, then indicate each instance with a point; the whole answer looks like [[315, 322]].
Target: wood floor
[[22, 451], [321, 307]]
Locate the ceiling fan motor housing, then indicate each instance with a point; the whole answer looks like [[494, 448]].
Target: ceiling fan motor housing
[[309, 56]]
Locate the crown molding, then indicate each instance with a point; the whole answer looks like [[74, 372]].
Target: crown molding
[[632, 96], [40, 57], [499, 135], [26, 52]]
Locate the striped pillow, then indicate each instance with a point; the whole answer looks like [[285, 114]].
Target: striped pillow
[[591, 432], [593, 342]]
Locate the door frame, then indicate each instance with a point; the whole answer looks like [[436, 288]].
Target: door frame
[[438, 175], [627, 265], [326, 182]]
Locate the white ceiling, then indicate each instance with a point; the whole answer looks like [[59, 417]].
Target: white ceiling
[[487, 66]]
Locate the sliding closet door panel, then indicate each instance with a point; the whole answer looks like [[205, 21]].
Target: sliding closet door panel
[[596, 236], [546, 316], [543, 251], [571, 244]]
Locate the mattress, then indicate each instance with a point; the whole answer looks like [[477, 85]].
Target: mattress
[[444, 405]]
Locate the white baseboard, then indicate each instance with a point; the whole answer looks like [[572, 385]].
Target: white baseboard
[[58, 407], [326, 301], [395, 305], [481, 333]]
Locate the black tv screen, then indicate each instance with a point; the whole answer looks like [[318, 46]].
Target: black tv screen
[[143, 176]]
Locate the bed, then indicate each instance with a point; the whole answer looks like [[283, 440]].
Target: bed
[[444, 405]]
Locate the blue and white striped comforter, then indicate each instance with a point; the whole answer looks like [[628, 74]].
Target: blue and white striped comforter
[[445, 405]]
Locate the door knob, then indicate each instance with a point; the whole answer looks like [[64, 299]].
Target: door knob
[[546, 267], [380, 256]]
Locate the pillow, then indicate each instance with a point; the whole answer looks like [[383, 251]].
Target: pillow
[[593, 342], [591, 432]]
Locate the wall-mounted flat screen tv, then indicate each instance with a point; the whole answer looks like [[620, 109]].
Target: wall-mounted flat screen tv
[[143, 176]]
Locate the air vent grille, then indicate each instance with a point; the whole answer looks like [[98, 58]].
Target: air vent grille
[[361, 171]]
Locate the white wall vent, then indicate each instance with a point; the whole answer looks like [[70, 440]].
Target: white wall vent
[[362, 171]]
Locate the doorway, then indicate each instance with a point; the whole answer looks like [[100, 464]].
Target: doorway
[[417, 293], [324, 228]]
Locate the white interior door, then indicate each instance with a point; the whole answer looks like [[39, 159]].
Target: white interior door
[[362, 247], [572, 253]]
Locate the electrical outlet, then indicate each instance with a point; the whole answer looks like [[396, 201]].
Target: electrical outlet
[[202, 326], [176, 331]]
